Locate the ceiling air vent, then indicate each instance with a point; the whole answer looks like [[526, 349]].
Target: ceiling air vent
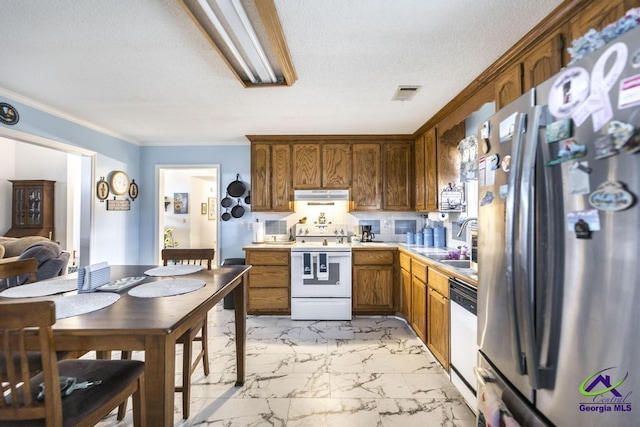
[[405, 93]]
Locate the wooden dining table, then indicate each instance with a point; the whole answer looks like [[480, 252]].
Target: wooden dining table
[[153, 325]]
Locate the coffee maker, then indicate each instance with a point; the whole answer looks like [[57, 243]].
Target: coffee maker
[[365, 233]]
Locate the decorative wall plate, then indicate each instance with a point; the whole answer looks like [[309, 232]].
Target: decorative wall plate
[[8, 114]]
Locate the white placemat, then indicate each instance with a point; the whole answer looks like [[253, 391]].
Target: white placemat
[[74, 305], [166, 288], [41, 289], [173, 270]]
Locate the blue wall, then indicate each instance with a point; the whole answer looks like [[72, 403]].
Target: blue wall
[[133, 234], [233, 159]]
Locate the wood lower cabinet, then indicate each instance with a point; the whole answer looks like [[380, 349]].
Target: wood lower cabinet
[[373, 281], [405, 285], [419, 298], [269, 289], [438, 316]]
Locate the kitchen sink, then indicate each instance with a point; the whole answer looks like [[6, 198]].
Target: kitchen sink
[[459, 263]]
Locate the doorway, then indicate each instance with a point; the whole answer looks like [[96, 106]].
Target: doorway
[[188, 209]]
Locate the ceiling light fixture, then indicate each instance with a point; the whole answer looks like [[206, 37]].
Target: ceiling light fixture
[[252, 44]]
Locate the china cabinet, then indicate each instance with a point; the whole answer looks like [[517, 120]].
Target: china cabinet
[[32, 208]]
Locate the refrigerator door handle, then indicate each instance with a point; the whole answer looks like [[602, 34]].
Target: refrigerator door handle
[[511, 223], [524, 264]]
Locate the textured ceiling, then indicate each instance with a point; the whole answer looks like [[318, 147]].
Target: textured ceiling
[[141, 70]]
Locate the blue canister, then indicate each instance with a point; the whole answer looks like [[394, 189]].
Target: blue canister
[[439, 237], [409, 237], [428, 237], [419, 238]]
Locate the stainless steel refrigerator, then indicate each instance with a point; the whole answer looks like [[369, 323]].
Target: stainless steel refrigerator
[[559, 248]]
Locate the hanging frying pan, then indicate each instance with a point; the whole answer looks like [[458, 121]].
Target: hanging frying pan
[[226, 216], [236, 188], [226, 202], [237, 210], [247, 199]]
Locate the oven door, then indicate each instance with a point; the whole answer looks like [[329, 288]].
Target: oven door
[[338, 285]]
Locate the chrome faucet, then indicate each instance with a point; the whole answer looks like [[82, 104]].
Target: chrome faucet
[[464, 225]]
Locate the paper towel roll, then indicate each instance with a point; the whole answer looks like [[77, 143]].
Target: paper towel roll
[[438, 216], [258, 232]]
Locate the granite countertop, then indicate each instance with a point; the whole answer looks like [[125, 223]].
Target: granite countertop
[[432, 256]]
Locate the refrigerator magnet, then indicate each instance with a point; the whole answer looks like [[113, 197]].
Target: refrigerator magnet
[[506, 163], [487, 199], [611, 196], [504, 191], [578, 181], [604, 147], [583, 222], [620, 133], [568, 149], [558, 130], [569, 90], [629, 92]]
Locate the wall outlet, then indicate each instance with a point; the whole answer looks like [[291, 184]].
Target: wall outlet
[[386, 224]]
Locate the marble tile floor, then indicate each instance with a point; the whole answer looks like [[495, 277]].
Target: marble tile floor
[[370, 371]]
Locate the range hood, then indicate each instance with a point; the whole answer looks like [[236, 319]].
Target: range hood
[[320, 195]]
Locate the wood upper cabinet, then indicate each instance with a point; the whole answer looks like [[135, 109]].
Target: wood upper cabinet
[[373, 281], [271, 177], [449, 156], [336, 165], [597, 15], [543, 61], [508, 86], [426, 193], [306, 166], [397, 176], [365, 188]]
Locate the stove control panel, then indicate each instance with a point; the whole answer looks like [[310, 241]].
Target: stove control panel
[[320, 230]]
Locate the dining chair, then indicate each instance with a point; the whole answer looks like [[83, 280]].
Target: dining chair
[[198, 333], [11, 271], [76, 392], [188, 256]]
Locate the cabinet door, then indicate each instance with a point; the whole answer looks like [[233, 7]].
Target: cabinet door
[[420, 174], [336, 166], [281, 200], [543, 62], [373, 288], [306, 165], [431, 171], [419, 308], [397, 188], [260, 177], [365, 190], [405, 294], [508, 86], [438, 326]]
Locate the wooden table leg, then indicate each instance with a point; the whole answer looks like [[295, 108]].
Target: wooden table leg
[[240, 309], [159, 377]]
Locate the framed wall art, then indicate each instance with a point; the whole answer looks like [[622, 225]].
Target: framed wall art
[[212, 209], [180, 203]]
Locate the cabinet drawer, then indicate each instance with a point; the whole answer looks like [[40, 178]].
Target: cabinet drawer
[[438, 281], [269, 299], [268, 277], [271, 257], [405, 261], [364, 257], [418, 269]]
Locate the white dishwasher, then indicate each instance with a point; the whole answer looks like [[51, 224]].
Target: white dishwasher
[[464, 348]]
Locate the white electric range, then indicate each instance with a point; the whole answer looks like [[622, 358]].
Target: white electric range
[[321, 273]]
